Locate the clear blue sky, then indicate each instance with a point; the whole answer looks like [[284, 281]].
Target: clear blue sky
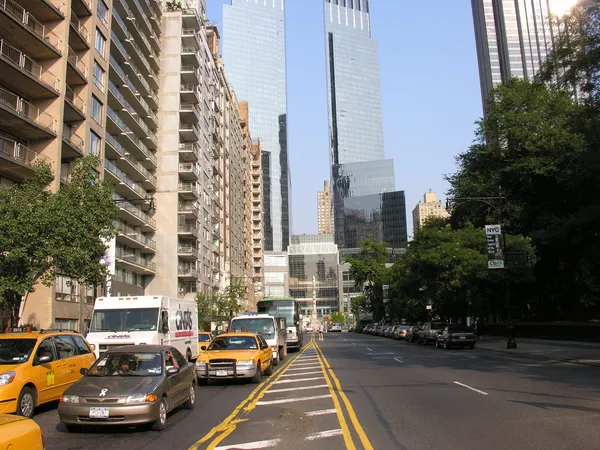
[[429, 87]]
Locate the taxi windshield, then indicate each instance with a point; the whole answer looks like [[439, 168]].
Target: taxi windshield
[[234, 343], [133, 364], [203, 337], [15, 351]]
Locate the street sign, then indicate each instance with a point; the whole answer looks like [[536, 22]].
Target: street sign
[[386, 288], [494, 249]]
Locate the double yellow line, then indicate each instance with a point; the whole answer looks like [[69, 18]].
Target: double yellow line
[[335, 388], [228, 426]]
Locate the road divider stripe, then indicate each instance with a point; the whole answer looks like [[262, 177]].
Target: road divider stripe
[[303, 364], [298, 388], [399, 360], [300, 374], [291, 400], [304, 368], [353, 418], [251, 445], [297, 380], [321, 412], [379, 354], [471, 388], [323, 434]]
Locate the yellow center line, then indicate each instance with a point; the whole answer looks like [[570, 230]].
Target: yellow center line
[[336, 403], [353, 418], [230, 423]]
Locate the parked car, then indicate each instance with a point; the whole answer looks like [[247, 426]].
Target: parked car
[[412, 335], [456, 336], [400, 332], [430, 331], [130, 385], [336, 328]]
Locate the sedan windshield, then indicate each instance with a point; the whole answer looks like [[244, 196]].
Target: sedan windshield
[[142, 364], [234, 343], [15, 351]]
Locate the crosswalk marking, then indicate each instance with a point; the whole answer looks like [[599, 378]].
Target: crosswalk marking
[[297, 380], [323, 434], [291, 400], [251, 445], [321, 412], [299, 388]]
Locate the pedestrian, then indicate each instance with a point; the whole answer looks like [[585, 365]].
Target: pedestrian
[[321, 331], [479, 330]]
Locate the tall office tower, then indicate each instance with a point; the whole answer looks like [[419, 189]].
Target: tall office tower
[[513, 38], [365, 202], [324, 209], [254, 52], [70, 87]]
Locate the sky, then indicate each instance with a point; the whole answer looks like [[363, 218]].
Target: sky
[[429, 87]]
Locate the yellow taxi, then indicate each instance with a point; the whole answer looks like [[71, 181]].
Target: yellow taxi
[[37, 367], [20, 433], [235, 355], [204, 338]]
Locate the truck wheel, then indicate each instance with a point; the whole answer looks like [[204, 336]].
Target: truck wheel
[[283, 352], [276, 360], [256, 378], [188, 355]]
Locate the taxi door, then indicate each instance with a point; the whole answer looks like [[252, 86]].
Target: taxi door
[[43, 375], [266, 353], [68, 367]]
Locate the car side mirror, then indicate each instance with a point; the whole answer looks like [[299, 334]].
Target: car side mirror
[[172, 370], [83, 371], [44, 359], [203, 347]]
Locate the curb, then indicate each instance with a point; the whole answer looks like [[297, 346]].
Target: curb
[[544, 358]]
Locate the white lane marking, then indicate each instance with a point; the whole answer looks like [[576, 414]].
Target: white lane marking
[[382, 353], [300, 374], [323, 434], [299, 388], [307, 363], [399, 360], [322, 412], [304, 368], [472, 388], [305, 358], [296, 380], [354, 343], [369, 349], [291, 400], [375, 358], [251, 445]]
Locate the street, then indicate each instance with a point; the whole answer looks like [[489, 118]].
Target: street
[[357, 391]]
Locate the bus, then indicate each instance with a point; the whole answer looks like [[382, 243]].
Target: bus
[[288, 308]]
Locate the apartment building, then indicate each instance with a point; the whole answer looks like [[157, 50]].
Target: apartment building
[[258, 249], [428, 208], [325, 209], [77, 79]]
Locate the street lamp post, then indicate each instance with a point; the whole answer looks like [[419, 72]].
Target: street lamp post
[[511, 343]]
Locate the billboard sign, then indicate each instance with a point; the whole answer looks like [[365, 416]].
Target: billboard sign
[[493, 235]]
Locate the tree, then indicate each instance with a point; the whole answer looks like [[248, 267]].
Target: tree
[[229, 302], [207, 309], [338, 317], [44, 233]]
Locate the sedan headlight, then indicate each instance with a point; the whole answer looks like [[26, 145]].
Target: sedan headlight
[[7, 377], [70, 399], [245, 362], [140, 398]]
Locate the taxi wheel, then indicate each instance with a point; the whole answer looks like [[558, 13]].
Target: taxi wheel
[[191, 401], [256, 378], [270, 369], [275, 360], [161, 420], [26, 402], [202, 381]]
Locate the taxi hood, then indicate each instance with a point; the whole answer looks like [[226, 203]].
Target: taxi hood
[[226, 354]]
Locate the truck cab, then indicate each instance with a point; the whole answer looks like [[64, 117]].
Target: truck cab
[[272, 329]]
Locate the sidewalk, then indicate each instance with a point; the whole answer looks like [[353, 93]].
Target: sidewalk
[[587, 353]]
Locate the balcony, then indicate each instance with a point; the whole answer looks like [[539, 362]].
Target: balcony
[[187, 252], [20, 118], [187, 273], [83, 8], [79, 39], [187, 231], [189, 171], [190, 56], [73, 145], [190, 18], [134, 262], [76, 69], [17, 162], [24, 76], [188, 209], [188, 190], [190, 38], [189, 152], [124, 185], [189, 93], [134, 239], [135, 216], [188, 132], [40, 42], [74, 106], [136, 171], [190, 74], [188, 113]]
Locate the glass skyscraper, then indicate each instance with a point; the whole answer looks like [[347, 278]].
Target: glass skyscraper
[[365, 202], [254, 55]]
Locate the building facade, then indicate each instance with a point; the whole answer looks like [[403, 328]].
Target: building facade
[[324, 207], [258, 254], [428, 208], [254, 51], [364, 197], [313, 264], [276, 275], [81, 77]]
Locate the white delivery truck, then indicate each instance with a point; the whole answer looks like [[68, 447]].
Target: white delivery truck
[[273, 329], [151, 320]]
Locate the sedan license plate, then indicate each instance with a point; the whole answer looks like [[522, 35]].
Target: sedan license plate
[[463, 337], [98, 413], [221, 373]]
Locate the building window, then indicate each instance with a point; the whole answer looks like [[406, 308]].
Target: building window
[[65, 289], [100, 43], [102, 11], [65, 324], [96, 110], [99, 76], [95, 143]]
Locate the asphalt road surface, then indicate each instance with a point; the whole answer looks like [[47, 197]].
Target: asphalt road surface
[[363, 392]]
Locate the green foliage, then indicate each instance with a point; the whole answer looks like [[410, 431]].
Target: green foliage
[[207, 308], [217, 306], [230, 300], [43, 233], [338, 317]]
